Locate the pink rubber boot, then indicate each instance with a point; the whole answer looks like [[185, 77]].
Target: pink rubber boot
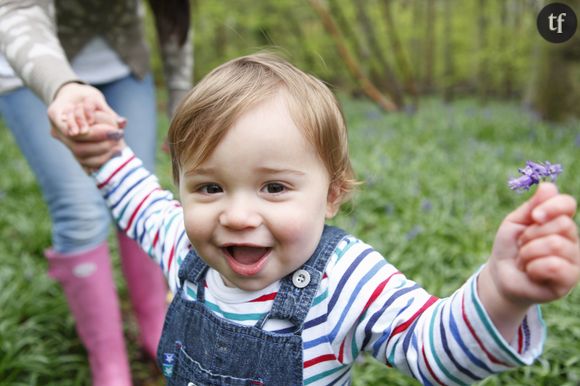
[[87, 281], [147, 291]]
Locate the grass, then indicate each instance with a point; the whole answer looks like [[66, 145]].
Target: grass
[[433, 196]]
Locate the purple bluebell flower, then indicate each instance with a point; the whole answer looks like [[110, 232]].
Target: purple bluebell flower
[[553, 170], [533, 173]]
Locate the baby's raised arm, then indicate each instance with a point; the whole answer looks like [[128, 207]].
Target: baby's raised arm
[[535, 259]]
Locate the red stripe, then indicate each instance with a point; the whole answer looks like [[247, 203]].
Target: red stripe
[[319, 359], [471, 329], [341, 352], [520, 340], [378, 291], [170, 257], [115, 172], [402, 327], [156, 239], [373, 297], [265, 298], [137, 209], [429, 367]]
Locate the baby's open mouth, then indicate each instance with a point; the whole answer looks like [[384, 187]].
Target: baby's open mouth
[[246, 260]]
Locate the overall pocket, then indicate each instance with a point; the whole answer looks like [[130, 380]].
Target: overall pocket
[[188, 372]]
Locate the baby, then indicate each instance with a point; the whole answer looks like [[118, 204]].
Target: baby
[[266, 293]]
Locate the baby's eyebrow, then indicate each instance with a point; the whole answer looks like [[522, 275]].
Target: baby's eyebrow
[[209, 171], [199, 171], [270, 170]]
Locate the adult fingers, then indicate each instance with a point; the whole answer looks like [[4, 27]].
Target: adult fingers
[[80, 119]]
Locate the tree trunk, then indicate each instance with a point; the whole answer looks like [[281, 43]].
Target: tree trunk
[[415, 43], [351, 36], [555, 89], [482, 64], [352, 65], [384, 72], [449, 65], [405, 68], [429, 58]]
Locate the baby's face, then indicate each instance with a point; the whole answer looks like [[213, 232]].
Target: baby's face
[[255, 209]]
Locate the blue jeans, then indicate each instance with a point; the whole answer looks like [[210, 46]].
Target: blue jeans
[[80, 219]]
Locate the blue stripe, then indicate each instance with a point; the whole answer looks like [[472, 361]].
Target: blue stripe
[[316, 321], [387, 333], [315, 342], [126, 192], [353, 296], [457, 336], [149, 213], [119, 184], [445, 344], [377, 315], [345, 277]]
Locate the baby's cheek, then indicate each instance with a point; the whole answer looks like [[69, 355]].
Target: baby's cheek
[[195, 229], [301, 231]]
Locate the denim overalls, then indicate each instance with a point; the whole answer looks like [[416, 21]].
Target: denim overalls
[[198, 347]]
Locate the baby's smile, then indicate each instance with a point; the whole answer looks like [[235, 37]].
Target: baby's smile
[[246, 260]]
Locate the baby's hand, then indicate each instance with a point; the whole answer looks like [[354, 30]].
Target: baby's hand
[[536, 254], [101, 142]]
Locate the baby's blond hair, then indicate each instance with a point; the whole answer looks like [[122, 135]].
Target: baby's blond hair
[[222, 96]]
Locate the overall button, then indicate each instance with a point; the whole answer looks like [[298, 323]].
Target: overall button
[[301, 278], [191, 384]]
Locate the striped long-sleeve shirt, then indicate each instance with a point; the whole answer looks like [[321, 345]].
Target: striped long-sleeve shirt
[[363, 304]]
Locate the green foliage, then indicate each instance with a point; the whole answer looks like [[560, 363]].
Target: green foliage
[[227, 29], [433, 196]]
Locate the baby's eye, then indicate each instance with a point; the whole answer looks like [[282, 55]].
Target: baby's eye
[[210, 189], [274, 188]]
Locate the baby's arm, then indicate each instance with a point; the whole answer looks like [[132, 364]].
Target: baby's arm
[[139, 205], [535, 259]]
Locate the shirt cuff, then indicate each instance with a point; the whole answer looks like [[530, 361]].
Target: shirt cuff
[[526, 346]]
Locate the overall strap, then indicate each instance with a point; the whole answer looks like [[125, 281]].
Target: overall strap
[[297, 290], [193, 270]]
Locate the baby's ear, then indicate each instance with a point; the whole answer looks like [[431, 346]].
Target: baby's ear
[[333, 200]]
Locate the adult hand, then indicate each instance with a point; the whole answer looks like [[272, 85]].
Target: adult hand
[[72, 111], [92, 149]]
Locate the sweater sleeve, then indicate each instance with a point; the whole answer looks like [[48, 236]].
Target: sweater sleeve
[[177, 60], [448, 341], [145, 212], [29, 41]]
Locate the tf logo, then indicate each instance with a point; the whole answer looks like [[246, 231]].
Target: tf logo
[[557, 22]]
